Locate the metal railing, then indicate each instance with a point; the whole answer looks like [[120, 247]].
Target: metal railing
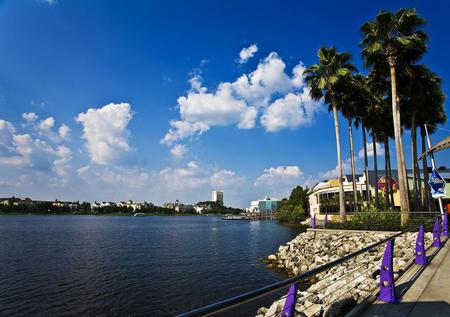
[[352, 275], [377, 220]]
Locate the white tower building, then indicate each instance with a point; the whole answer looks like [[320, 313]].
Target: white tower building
[[217, 196]]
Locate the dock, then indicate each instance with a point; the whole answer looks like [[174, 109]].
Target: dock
[[252, 216]]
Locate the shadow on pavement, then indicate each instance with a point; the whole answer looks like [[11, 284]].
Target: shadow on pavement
[[411, 309]]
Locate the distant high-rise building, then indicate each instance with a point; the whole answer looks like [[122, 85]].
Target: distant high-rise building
[[217, 196]]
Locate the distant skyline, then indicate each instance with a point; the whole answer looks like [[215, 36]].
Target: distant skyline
[[117, 100]]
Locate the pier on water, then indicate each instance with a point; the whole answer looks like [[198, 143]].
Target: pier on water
[[261, 215]]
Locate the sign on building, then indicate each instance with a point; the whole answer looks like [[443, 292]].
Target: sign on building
[[382, 184]]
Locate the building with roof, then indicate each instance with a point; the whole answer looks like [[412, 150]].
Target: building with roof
[[266, 205], [324, 196]]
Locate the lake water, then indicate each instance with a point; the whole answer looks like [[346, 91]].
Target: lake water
[[130, 266]]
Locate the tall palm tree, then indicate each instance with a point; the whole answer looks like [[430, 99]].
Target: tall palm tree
[[375, 117], [384, 129], [355, 103], [364, 100], [366, 161], [324, 79], [434, 117], [395, 39], [375, 167], [346, 99], [423, 103]]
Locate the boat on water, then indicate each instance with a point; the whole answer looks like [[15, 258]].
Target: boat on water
[[138, 214]]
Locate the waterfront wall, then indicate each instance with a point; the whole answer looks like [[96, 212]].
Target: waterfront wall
[[343, 285]]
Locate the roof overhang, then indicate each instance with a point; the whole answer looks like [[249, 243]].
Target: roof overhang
[[441, 145]]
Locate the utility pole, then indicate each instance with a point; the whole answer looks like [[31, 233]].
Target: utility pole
[[433, 166]]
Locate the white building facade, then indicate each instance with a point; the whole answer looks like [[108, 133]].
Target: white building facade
[[266, 205], [217, 196]]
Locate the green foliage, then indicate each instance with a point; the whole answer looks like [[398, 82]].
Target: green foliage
[[44, 208], [325, 77], [371, 218], [294, 208], [394, 38], [85, 208], [216, 207]]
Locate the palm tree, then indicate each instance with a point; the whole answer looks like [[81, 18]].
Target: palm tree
[[423, 103], [433, 117], [324, 79], [384, 129], [346, 99], [355, 102], [364, 101], [375, 119], [366, 161], [395, 40]]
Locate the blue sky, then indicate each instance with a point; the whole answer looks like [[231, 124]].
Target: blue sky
[[175, 111]]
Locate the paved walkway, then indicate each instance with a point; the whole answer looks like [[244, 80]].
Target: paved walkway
[[424, 292]]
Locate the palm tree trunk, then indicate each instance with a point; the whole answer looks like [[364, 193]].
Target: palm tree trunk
[[366, 164], [404, 204], [426, 203], [391, 188], [386, 173], [419, 179], [414, 158], [375, 167], [342, 214], [352, 159]]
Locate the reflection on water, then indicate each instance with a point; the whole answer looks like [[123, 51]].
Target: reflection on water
[[116, 266]]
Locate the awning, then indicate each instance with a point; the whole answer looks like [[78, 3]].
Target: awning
[[441, 145]]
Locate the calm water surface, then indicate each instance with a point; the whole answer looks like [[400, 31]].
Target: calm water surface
[[128, 266]]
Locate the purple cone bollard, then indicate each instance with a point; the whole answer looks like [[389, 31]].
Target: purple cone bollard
[[387, 286], [445, 225], [289, 304], [436, 235], [421, 258], [325, 221]]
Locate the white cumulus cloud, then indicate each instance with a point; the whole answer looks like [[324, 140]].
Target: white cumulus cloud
[[179, 150], [278, 181], [61, 165], [220, 108], [247, 52], [269, 87], [64, 132], [291, 111], [224, 179], [106, 133], [346, 169], [380, 150], [115, 178], [30, 117], [279, 175], [45, 128], [23, 151], [181, 130], [184, 178]]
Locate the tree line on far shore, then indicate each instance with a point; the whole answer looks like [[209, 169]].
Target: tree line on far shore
[[210, 207], [44, 208]]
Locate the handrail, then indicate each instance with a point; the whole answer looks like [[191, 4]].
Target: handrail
[[230, 302]]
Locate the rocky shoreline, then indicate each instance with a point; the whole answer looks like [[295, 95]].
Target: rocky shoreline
[[336, 290]]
